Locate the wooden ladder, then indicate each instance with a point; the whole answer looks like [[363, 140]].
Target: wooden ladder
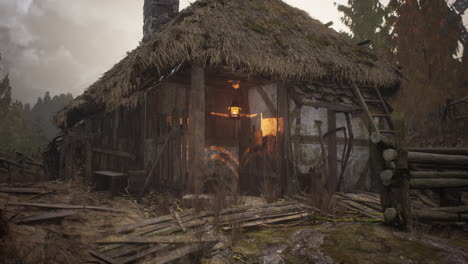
[[370, 116]]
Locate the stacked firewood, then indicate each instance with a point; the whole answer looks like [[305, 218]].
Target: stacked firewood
[[441, 169], [171, 237]]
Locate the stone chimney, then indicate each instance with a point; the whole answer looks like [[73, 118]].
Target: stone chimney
[[157, 13]]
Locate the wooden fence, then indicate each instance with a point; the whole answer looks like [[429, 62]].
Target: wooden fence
[[19, 167], [443, 170]]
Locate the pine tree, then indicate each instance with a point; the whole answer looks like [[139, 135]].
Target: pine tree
[[367, 20]]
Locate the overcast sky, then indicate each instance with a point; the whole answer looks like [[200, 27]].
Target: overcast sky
[[65, 45]]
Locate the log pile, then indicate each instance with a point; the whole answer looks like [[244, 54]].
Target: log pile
[[436, 168], [441, 169], [171, 237]]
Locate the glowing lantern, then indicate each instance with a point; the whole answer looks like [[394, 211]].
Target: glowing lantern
[[234, 108], [234, 111]]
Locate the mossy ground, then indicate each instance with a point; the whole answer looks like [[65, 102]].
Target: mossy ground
[[370, 243], [344, 243]]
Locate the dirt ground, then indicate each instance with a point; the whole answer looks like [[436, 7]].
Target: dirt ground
[[68, 240]]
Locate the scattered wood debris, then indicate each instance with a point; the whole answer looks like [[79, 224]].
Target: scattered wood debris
[[23, 190], [66, 206], [41, 217]]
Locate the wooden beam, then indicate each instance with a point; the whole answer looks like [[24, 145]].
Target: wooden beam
[[266, 99], [197, 128], [332, 179], [331, 106], [419, 157], [439, 174], [438, 183], [117, 153], [307, 139], [88, 166], [449, 151], [66, 206], [287, 180]]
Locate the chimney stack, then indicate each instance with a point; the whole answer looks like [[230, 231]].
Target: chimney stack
[[157, 13]]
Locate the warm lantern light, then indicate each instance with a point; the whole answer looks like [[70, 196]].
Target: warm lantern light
[[234, 111]]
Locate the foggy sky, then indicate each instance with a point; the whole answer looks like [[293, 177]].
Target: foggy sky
[[65, 45]]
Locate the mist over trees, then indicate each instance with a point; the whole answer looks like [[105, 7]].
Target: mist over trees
[[25, 128]]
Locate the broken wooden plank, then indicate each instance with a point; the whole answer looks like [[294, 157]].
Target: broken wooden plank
[[271, 221], [152, 221], [103, 257], [66, 206], [179, 220], [23, 190], [42, 217], [172, 239]]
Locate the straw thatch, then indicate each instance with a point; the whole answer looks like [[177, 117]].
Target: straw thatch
[[261, 37]]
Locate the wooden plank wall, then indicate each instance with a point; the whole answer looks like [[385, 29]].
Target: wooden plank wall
[[165, 112]]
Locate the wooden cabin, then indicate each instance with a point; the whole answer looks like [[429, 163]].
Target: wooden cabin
[[254, 94]]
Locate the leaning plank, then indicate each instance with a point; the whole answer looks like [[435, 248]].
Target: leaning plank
[[439, 174], [103, 257], [23, 190], [66, 206], [172, 239], [437, 183], [425, 199], [42, 217], [364, 210]]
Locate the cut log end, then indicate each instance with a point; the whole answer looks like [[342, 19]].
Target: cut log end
[[386, 177], [390, 214]]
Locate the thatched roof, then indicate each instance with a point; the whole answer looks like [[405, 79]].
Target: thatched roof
[[265, 38]]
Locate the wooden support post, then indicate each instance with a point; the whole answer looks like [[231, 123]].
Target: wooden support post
[[402, 169], [287, 180], [246, 179], [88, 152], [197, 129], [332, 179], [177, 168]]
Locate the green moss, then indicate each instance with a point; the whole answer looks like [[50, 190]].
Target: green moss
[[252, 243], [366, 243]]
